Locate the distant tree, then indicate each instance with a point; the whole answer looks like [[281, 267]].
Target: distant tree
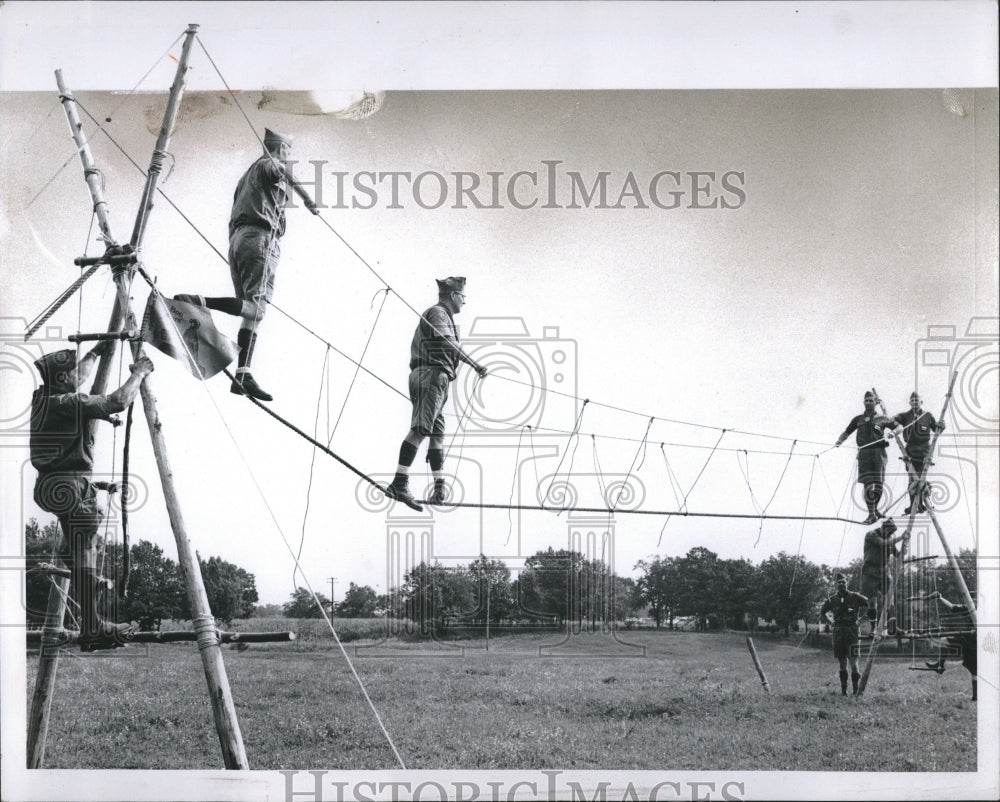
[[491, 580], [359, 602], [154, 588], [267, 611], [432, 592], [549, 583], [231, 590], [738, 597], [658, 587], [391, 604], [625, 597], [790, 588], [303, 605], [946, 581], [701, 584], [39, 543]]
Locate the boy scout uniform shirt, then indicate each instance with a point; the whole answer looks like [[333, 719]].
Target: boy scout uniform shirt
[[260, 197], [844, 607], [61, 440], [917, 431], [435, 342], [870, 429]]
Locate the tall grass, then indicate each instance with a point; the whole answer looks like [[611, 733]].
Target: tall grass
[[532, 701]]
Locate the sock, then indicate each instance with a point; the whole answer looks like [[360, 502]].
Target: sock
[[843, 682], [245, 340], [435, 456], [407, 453], [855, 678]]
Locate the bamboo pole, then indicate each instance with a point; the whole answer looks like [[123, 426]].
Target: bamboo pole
[[966, 596], [45, 679], [224, 712], [163, 140], [48, 663], [757, 665]]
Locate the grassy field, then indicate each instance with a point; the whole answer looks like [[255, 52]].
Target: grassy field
[[529, 702]]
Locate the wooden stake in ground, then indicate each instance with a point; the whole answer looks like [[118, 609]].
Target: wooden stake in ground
[[757, 665]]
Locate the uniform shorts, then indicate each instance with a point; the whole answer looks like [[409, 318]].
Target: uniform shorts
[[428, 393], [73, 500], [871, 465], [873, 585], [845, 639], [253, 260]]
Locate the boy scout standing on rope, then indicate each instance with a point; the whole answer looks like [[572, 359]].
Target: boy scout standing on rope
[[256, 225], [871, 428], [844, 608], [434, 357], [918, 427], [62, 451]]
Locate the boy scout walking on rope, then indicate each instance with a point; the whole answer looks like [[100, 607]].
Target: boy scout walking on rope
[[844, 608], [62, 451], [434, 356], [256, 225]]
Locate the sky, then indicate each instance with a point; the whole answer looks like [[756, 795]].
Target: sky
[[727, 347]]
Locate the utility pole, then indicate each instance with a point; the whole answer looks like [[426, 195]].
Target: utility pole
[[333, 602]]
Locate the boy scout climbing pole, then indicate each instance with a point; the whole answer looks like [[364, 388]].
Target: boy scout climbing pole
[[124, 262]]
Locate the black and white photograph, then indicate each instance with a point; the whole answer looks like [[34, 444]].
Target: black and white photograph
[[499, 401]]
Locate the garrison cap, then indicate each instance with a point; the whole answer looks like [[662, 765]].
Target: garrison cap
[[869, 396], [840, 578], [54, 367], [888, 526], [450, 284], [274, 138]]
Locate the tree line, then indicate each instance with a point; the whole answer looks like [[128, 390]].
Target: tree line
[[155, 588], [554, 586]]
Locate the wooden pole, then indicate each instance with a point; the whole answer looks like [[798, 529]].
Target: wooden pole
[[163, 140], [956, 570], [176, 636], [45, 679], [757, 665], [223, 710], [48, 663]]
